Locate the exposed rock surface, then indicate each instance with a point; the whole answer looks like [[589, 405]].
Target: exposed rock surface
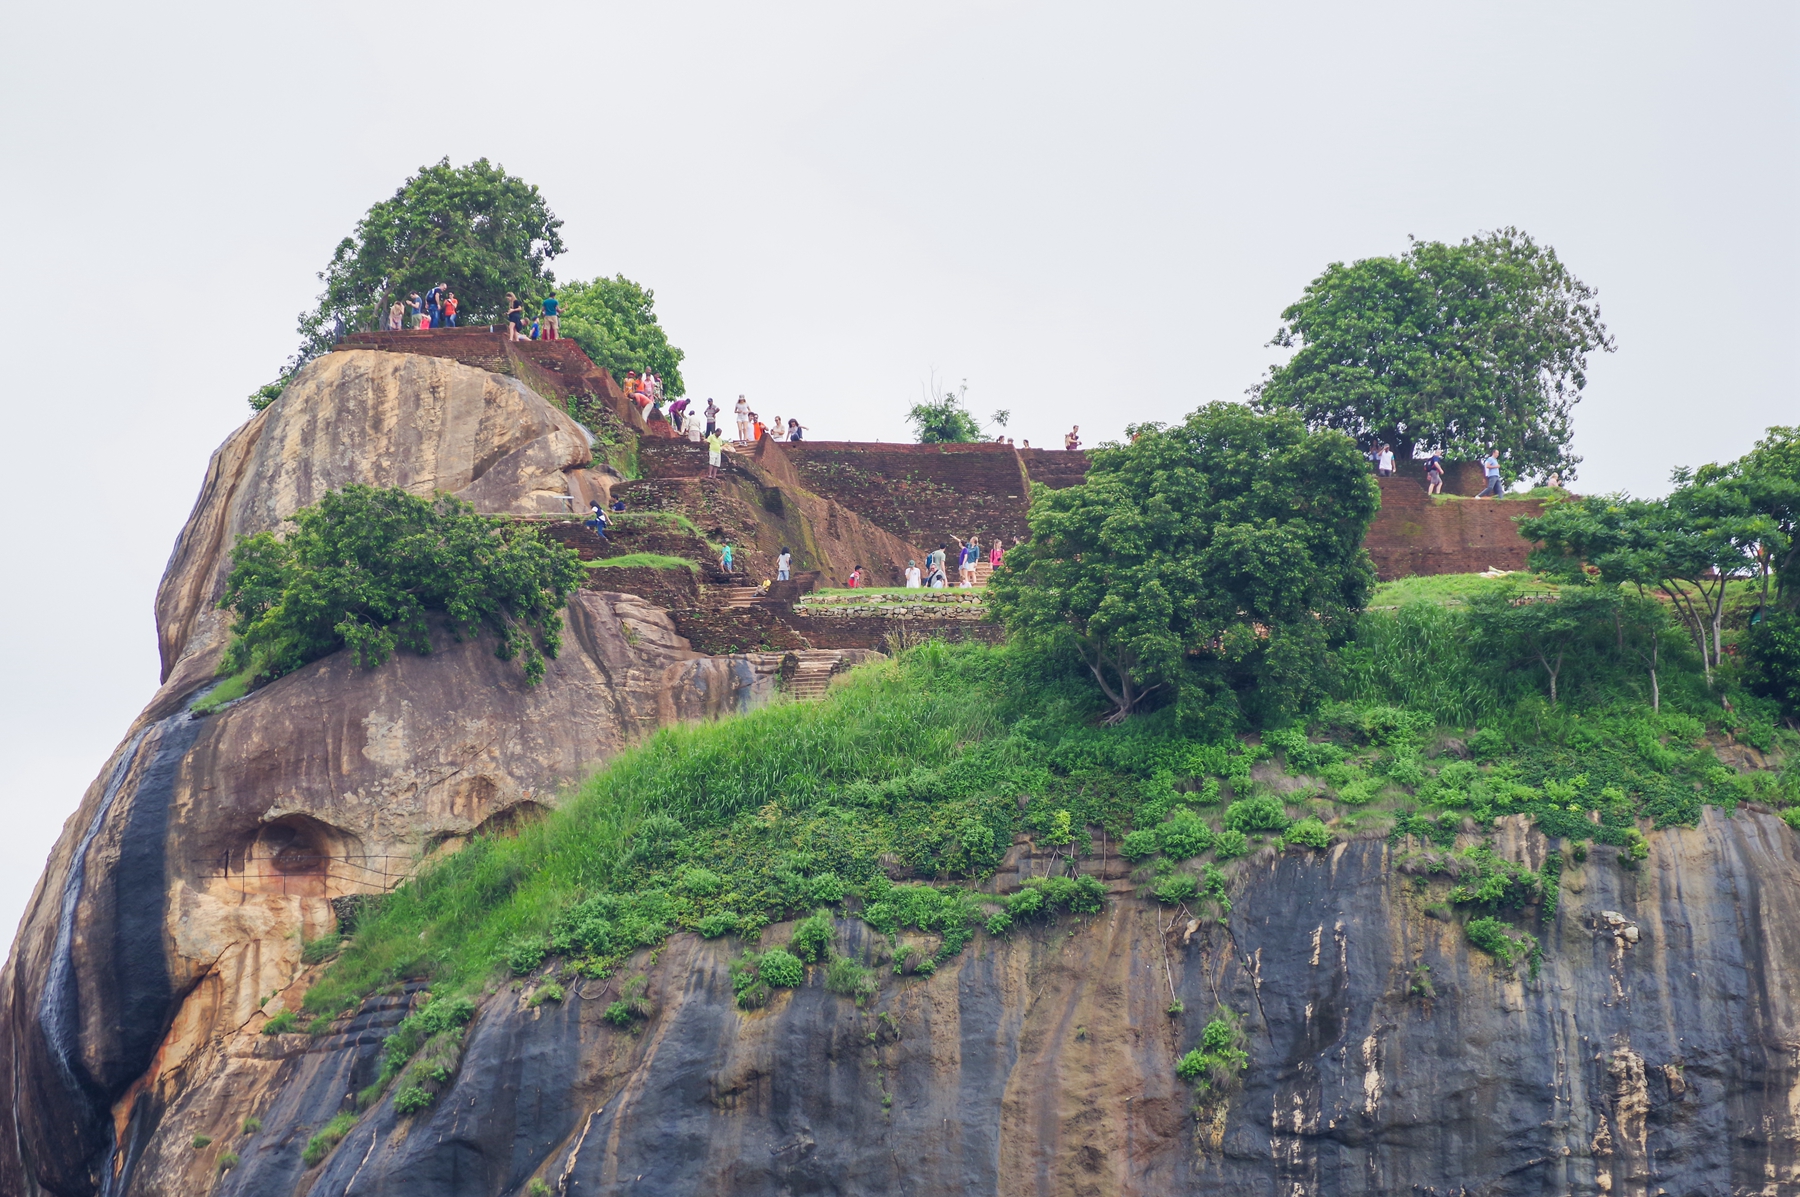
[[1043, 1064]]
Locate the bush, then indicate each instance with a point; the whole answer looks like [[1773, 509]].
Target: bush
[[1177, 888], [317, 951], [1230, 844], [412, 1099], [1139, 845], [252, 1124], [1309, 832], [1220, 1059], [362, 569], [201, 1142], [227, 1160], [1502, 941], [524, 955], [549, 991], [1262, 813], [846, 978], [1772, 659], [282, 1023], [1184, 836], [781, 969], [719, 922], [812, 939]]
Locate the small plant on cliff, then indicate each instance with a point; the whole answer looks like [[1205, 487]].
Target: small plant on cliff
[[1220, 1059], [538, 1188], [201, 1142], [329, 1136], [1504, 942], [282, 1023], [363, 569], [633, 1003], [227, 1161]]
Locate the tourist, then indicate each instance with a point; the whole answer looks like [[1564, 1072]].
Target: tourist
[[712, 416], [552, 323], [1009, 442], [783, 564], [775, 429], [449, 309], [515, 317], [434, 304], [396, 314], [1072, 440], [1384, 461], [742, 411], [934, 567], [678, 412], [418, 309], [756, 428], [715, 445], [997, 554], [1490, 468], [724, 553], [618, 505], [795, 431], [598, 523], [1026, 445], [1434, 474], [535, 328], [855, 578], [692, 427], [968, 554], [912, 575]]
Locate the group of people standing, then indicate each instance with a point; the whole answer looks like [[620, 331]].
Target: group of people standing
[[435, 309], [1382, 458], [968, 556]]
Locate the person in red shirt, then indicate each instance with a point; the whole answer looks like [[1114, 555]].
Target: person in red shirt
[[855, 578]]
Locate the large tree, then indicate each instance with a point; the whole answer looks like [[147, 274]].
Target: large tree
[[1223, 552], [475, 228], [614, 322], [1449, 347]]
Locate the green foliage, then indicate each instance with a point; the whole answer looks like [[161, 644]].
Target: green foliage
[[847, 978], [643, 561], [252, 1124], [412, 1099], [1217, 561], [202, 1141], [538, 1188], [1230, 844], [781, 968], [549, 991], [1140, 845], [1176, 888], [281, 1024], [1184, 836], [1453, 347], [316, 951], [363, 568], [1259, 813], [633, 1004], [614, 322], [1504, 942], [1309, 832], [1220, 1060], [475, 228], [228, 1160], [329, 1136], [812, 939], [944, 421], [1772, 659]]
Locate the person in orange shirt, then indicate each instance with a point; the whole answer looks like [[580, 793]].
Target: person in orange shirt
[[450, 310], [756, 428]]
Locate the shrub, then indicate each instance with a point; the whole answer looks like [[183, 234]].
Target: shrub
[[1000, 922], [781, 969], [412, 1099], [847, 978], [549, 991], [1139, 845], [329, 1136], [524, 955], [719, 922], [362, 569], [202, 1141], [228, 1160], [1310, 833], [1177, 888], [1502, 941], [252, 1124], [825, 889], [538, 1188], [1220, 1059], [282, 1023], [1190, 1066], [1772, 658], [320, 1025], [812, 939], [1184, 836], [702, 883], [1262, 813], [1230, 844], [746, 982]]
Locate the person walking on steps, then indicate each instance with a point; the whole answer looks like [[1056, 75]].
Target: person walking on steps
[[715, 446], [784, 565], [1490, 468], [598, 523], [552, 324]]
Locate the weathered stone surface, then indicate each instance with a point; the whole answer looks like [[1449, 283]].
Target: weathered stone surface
[[174, 903], [1043, 1064]]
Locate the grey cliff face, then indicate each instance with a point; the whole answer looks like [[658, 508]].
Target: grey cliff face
[[1655, 1062]]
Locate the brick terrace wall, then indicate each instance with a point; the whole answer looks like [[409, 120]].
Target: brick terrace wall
[[1414, 534], [923, 493]]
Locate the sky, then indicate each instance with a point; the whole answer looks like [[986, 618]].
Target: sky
[[1091, 214]]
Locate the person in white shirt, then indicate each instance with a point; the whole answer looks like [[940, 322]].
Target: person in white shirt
[[742, 411], [914, 580], [1384, 462], [783, 565]]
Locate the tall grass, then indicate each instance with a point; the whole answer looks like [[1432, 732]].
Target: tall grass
[[455, 921]]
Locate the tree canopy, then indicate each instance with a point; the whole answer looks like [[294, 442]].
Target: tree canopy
[[944, 421], [1223, 554], [614, 322], [363, 567], [1448, 347], [474, 228]]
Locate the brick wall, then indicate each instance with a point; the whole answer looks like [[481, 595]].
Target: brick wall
[[1415, 534]]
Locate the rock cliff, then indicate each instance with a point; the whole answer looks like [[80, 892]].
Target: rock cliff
[[1656, 1051]]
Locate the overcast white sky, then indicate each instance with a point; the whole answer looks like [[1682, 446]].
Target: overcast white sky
[[1092, 213]]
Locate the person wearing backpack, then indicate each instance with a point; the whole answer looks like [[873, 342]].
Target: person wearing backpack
[[434, 305], [598, 523]]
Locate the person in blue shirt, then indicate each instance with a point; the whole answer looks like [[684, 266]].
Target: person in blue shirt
[[598, 523], [1490, 466]]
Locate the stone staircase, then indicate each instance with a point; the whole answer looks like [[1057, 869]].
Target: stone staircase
[[806, 673]]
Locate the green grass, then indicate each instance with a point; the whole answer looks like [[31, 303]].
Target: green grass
[[667, 519], [1445, 588], [644, 561], [229, 690]]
